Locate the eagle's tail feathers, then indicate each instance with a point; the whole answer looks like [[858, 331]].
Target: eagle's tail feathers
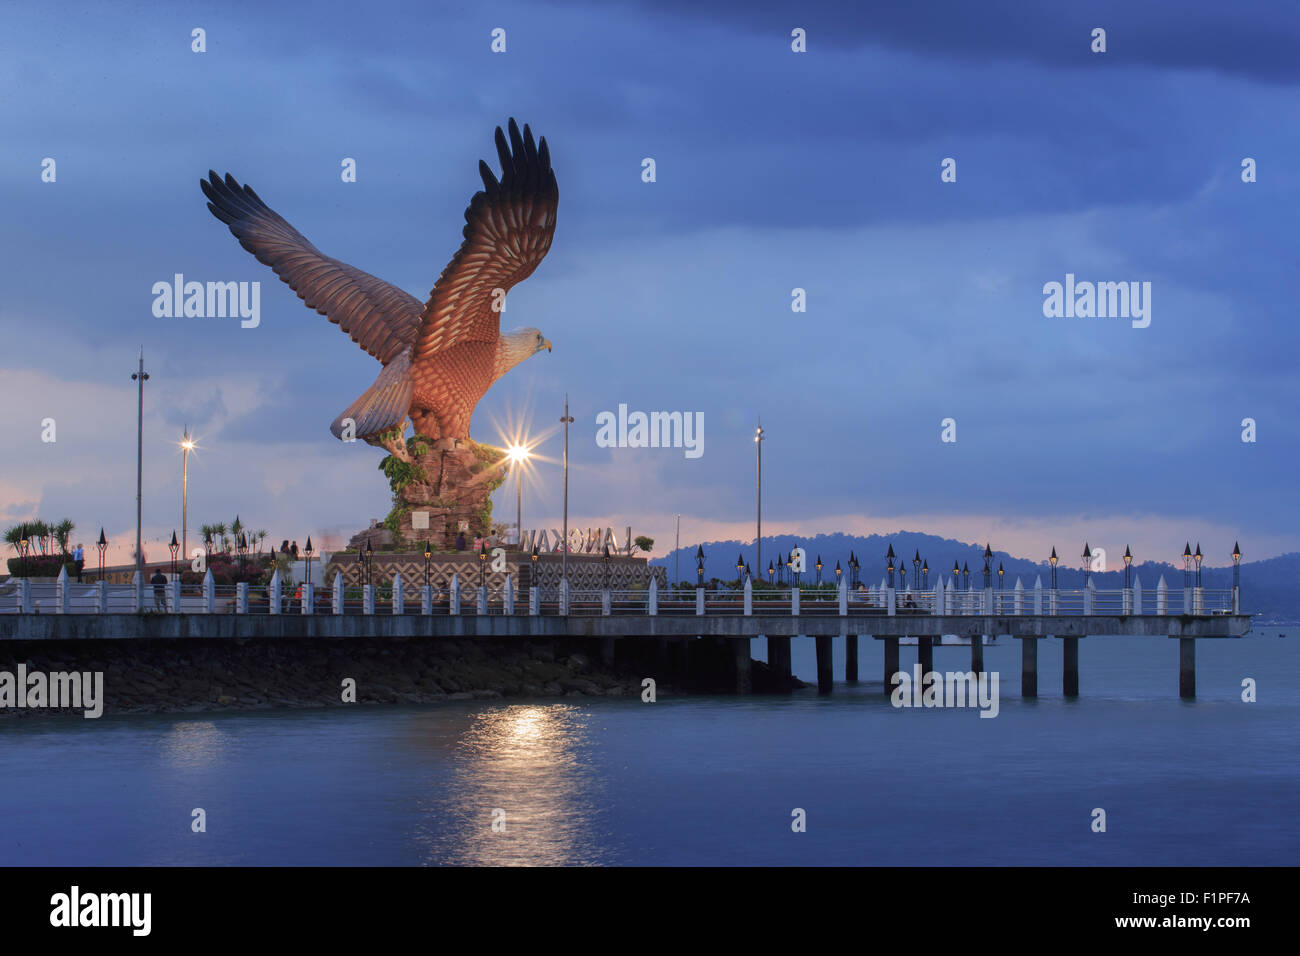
[[381, 407]]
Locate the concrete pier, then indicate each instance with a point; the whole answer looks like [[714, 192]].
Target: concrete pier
[[925, 654], [977, 653], [1187, 667], [891, 663], [1070, 667], [851, 658], [1028, 667], [607, 651], [825, 672]]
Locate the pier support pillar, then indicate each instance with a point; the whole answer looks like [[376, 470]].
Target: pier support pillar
[[661, 657], [891, 663], [851, 658], [925, 654], [744, 681], [825, 673], [1187, 667], [977, 653], [1070, 669], [1028, 667], [778, 655], [607, 651]]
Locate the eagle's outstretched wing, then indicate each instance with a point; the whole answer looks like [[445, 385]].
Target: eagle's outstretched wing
[[379, 317], [508, 230]]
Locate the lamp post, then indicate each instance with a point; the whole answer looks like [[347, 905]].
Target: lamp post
[[1086, 557], [854, 568], [789, 569], [1197, 557], [740, 569], [309, 550], [819, 570], [965, 576], [361, 566], [988, 565], [1187, 565], [22, 552], [428, 553], [139, 377], [187, 446], [677, 553], [173, 547], [1001, 572], [699, 573], [770, 573], [1236, 565], [916, 571], [604, 560], [101, 546], [567, 420], [956, 575], [1128, 568], [482, 565], [925, 575], [1052, 561], [838, 572], [889, 566], [370, 561], [758, 532]]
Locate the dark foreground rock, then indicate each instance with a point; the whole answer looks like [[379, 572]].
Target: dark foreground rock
[[212, 675]]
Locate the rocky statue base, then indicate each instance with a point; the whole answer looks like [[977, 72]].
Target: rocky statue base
[[450, 488]]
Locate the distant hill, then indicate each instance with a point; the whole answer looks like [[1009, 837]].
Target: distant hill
[[1268, 587]]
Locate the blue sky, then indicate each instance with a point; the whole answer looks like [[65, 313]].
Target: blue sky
[[775, 170]]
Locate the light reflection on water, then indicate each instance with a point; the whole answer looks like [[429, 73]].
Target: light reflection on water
[[530, 761]]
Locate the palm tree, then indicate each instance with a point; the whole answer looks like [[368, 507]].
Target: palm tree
[[63, 533], [260, 535], [219, 530]]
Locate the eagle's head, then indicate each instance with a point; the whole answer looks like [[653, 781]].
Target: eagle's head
[[518, 345]]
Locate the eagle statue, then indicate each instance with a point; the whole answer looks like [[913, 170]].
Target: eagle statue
[[441, 357]]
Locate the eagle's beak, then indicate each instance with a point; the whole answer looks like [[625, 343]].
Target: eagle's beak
[[547, 343]]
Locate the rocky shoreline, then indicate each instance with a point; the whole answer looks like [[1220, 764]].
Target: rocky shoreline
[[199, 676]]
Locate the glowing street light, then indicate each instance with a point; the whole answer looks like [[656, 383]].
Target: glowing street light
[[187, 446], [518, 453]]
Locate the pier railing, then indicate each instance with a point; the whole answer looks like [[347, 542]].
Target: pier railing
[[501, 597]]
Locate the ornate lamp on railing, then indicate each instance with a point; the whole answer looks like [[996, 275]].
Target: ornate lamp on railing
[[699, 572], [988, 565], [748, 574], [854, 567], [740, 569], [101, 545], [916, 571], [242, 546], [370, 561], [965, 576], [361, 566], [789, 568], [1052, 561], [22, 551], [1086, 557], [1197, 557], [174, 546], [819, 569], [771, 573], [889, 566], [482, 564], [1128, 568], [1236, 566], [604, 560], [838, 572], [1001, 575], [956, 574], [1187, 565], [925, 575], [309, 551], [428, 556]]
